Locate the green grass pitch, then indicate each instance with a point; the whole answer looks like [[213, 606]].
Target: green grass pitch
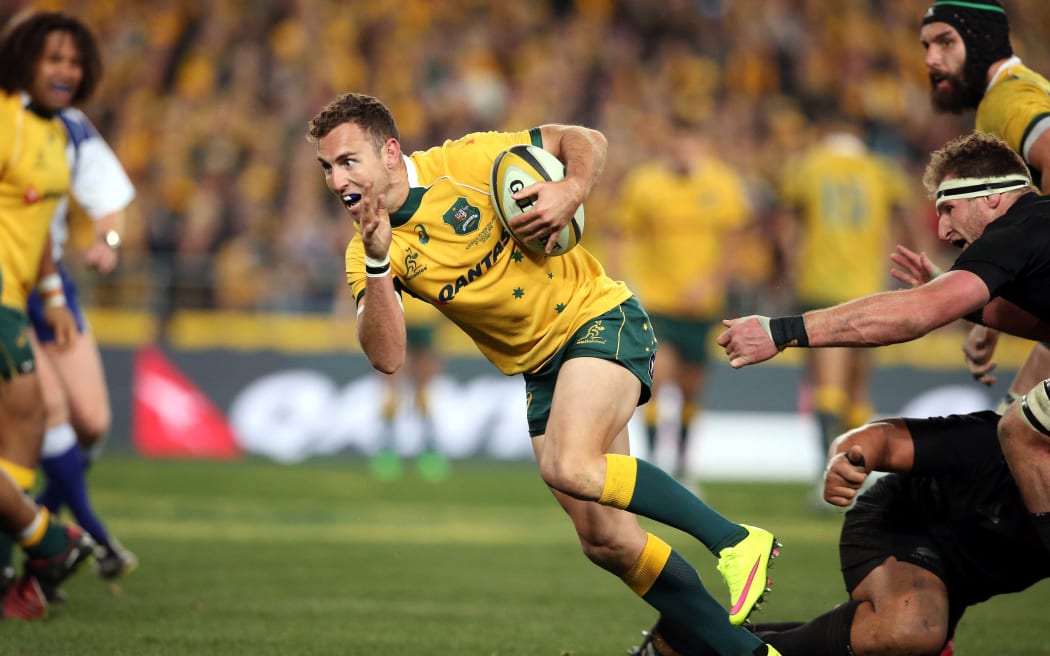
[[264, 559]]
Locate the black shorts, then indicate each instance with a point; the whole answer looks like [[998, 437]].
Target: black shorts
[[964, 523]]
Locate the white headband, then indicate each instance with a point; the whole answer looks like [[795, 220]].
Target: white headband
[[975, 187]]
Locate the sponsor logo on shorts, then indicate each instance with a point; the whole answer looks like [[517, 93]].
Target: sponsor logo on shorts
[[593, 334]]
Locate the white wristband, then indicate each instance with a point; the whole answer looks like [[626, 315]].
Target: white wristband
[[55, 300], [52, 282], [377, 268]]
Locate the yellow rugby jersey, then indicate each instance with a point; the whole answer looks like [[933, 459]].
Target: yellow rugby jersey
[[34, 176], [1018, 99], [674, 227], [845, 198], [450, 250]]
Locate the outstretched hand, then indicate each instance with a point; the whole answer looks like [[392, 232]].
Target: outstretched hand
[[845, 474], [911, 268], [747, 340]]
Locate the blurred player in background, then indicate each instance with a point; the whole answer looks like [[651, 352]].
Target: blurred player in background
[[50, 61], [582, 341], [75, 390], [843, 208], [972, 65], [411, 383], [681, 222]]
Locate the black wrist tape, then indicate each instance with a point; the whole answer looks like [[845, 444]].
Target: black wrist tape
[[789, 331]]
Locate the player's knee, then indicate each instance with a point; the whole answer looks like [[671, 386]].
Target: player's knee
[[605, 547], [93, 427], [904, 629], [568, 473]]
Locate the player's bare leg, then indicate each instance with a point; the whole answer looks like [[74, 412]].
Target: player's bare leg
[[612, 539], [80, 373], [1024, 434], [903, 610]]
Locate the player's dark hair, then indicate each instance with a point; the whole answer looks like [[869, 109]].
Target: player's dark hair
[[974, 155], [371, 115], [22, 46]]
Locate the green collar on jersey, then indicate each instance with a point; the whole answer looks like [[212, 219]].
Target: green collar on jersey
[[411, 204]]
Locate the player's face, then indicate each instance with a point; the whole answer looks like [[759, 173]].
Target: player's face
[[58, 72], [961, 221], [945, 64], [349, 160]]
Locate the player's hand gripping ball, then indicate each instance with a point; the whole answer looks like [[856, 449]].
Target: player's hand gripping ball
[[518, 167]]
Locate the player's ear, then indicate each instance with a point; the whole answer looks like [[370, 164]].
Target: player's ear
[[391, 152]]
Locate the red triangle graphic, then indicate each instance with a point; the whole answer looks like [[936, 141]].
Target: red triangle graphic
[[171, 417]]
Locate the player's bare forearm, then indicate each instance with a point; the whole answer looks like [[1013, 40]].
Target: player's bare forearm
[[583, 152], [878, 446], [381, 327], [897, 316]]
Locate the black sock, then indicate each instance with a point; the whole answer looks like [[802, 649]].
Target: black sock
[[760, 627], [1041, 521], [826, 635]]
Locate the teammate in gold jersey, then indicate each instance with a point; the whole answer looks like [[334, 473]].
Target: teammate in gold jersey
[[845, 206], [582, 341], [972, 65], [45, 62], [681, 224]]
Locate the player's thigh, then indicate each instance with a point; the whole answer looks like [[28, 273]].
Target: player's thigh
[[593, 401], [79, 367], [22, 418], [610, 537], [908, 610], [51, 385]]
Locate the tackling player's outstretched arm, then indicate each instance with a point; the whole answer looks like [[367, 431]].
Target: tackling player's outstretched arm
[[875, 320], [897, 316]]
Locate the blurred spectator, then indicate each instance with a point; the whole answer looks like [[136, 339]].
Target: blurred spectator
[[204, 103]]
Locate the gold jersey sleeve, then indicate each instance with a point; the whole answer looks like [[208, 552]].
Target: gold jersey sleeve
[[1018, 100], [846, 204], [449, 249], [34, 176], [674, 228]]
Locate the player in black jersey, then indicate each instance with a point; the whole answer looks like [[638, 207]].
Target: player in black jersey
[[918, 548]]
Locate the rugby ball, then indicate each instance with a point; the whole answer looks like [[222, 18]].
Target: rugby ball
[[516, 168]]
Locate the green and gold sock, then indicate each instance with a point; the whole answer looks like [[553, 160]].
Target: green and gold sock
[[669, 584], [644, 489]]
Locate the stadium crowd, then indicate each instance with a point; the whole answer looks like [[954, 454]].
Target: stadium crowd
[[205, 105]]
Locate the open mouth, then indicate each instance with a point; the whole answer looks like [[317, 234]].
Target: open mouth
[[350, 200]]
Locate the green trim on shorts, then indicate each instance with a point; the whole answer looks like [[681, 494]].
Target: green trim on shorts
[[687, 336], [16, 352], [623, 335]]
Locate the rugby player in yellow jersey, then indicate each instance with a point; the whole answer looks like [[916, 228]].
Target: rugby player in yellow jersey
[[681, 222], [43, 63], [581, 340], [845, 207], [972, 65]]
